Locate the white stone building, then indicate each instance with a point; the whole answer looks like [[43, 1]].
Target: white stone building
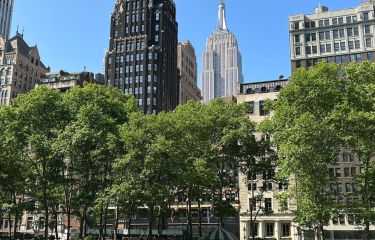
[[339, 36], [222, 61], [6, 11]]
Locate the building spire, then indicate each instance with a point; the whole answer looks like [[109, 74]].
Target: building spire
[[221, 22]]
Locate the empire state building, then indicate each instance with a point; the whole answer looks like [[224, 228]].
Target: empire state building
[[222, 62]]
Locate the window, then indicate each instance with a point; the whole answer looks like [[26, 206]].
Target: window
[[339, 187], [154, 101], [328, 34], [346, 172], [342, 46], [336, 46], [41, 222], [352, 57], [335, 33], [348, 187], [262, 111], [369, 56], [354, 19], [29, 224], [328, 47], [355, 30], [334, 21], [342, 33], [3, 72], [255, 229], [367, 29], [251, 107], [269, 229], [148, 101], [321, 35], [320, 23], [357, 44], [310, 37], [286, 229], [365, 16], [297, 38], [349, 32], [155, 78], [338, 172], [351, 45], [326, 22], [358, 59], [156, 38], [298, 64], [322, 48], [268, 204], [298, 50], [314, 49], [368, 42], [348, 19], [149, 78], [308, 50], [157, 15], [155, 67], [157, 27], [340, 19]]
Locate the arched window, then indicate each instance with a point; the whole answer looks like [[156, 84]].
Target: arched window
[[3, 72], [263, 89], [6, 93], [278, 88], [9, 71], [2, 94], [30, 80], [249, 90], [16, 72]]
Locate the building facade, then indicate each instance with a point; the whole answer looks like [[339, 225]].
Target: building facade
[[222, 61], [20, 67], [339, 36], [64, 81], [142, 55], [187, 67], [6, 10], [280, 224]]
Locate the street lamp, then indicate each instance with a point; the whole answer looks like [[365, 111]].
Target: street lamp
[[244, 233]]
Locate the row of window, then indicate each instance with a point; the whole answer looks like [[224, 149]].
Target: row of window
[[262, 110], [129, 80], [270, 229], [348, 172], [337, 46], [341, 59], [130, 46], [267, 186], [138, 68], [5, 224], [333, 21], [130, 57]]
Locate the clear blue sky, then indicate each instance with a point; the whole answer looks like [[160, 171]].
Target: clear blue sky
[[71, 34]]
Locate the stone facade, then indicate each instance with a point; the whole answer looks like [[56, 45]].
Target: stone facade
[[339, 36], [187, 66], [6, 9], [20, 67]]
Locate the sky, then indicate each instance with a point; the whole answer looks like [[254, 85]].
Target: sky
[[72, 34]]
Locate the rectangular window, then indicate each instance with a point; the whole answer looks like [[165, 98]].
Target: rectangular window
[[342, 33], [308, 50], [320, 23], [367, 29], [349, 32], [157, 16], [346, 172], [328, 34], [297, 38], [149, 78], [314, 49], [262, 111], [357, 44], [341, 21], [251, 107], [156, 38], [336, 46], [269, 229], [255, 229], [348, 187], [338, 172], [328, 47], [348, 19], [148, 101], [335, 33], [334, 21], [322, 48], [321, 35], [368, 42], [286, 229], [157, 27], [342, 46], [154, 101], [365, 16], [339, 187], [369, 56], [268, 204], [298, 64], [298, 50], [358, 59], [354, 19], [355, 30], [338, 59], [351, 45], [326, 22], [352, 57]]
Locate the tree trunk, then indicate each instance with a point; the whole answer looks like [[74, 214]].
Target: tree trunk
[[82, 222], [320, 233], [10, 225], [68, 232], [101, 223], [150, 223], [105, 219], [46, 220], [116, 224], [200, 219], [130, 223]]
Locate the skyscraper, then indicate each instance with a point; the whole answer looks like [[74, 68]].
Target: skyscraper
[[142, 54], [6, 10], [222, 61]]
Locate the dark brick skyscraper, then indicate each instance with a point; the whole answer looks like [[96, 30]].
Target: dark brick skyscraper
[[142, 56]]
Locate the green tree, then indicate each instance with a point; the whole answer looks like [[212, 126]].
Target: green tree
[[308, 140], [356, 120], [40, 116], [90, 143], [150, 161]]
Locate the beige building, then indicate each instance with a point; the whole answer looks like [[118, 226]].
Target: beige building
[[187, 66], [20, 67], [280, 224], [339, 36]]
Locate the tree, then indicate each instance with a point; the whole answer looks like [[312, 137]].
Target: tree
[[40, 116], [150, 161], [308, 140], [90, 144], [356, 120]]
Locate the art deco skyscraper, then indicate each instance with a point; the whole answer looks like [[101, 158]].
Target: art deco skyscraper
[[222, 62], [6, 11], [142, 54]]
